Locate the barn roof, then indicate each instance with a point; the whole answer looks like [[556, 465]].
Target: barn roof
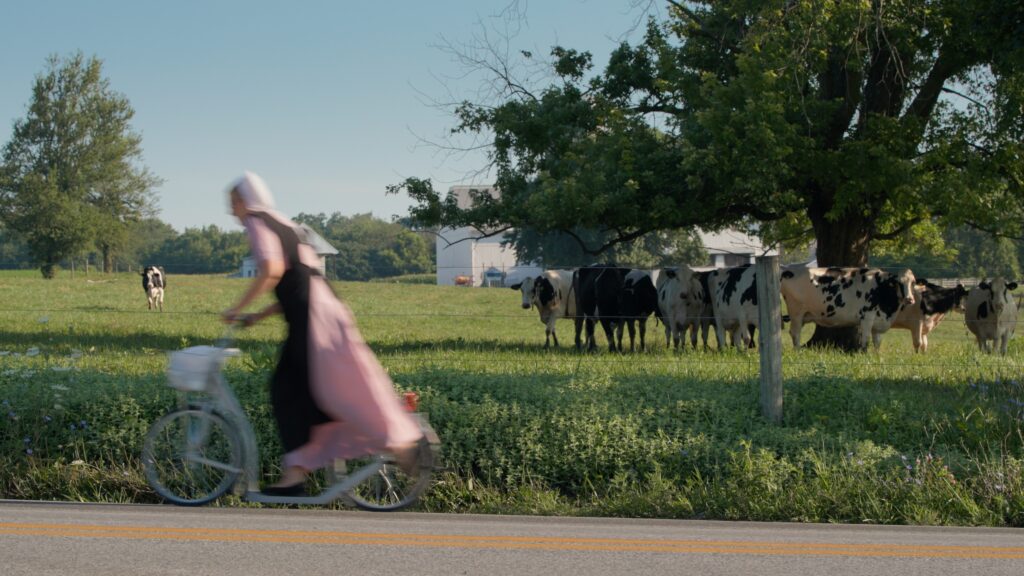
[[322, 247]]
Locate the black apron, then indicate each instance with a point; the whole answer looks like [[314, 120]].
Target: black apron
[[290, 396]]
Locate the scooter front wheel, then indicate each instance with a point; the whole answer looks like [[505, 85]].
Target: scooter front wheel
[[191, 457]]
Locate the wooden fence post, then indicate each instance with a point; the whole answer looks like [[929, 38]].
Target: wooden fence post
[[769, 301]]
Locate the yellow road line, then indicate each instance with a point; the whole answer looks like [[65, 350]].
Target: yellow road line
[[767, 548]]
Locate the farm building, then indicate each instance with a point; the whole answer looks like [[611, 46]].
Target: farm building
[[463, 260], [732, 248], [323, 250]]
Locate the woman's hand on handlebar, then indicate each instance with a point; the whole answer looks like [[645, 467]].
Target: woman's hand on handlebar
[[233, 316]]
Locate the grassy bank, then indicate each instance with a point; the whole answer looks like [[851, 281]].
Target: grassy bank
[[890, 437]]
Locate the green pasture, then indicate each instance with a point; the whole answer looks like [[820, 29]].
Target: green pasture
[[887, 437]]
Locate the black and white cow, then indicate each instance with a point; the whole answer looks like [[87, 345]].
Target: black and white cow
[[599, 299], [551, 292], [734, 302], [154, 282], [678, 288], [933, 303], [992, 313], [639, 301], [869, 298]]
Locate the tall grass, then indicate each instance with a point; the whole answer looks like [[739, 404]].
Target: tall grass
[[888, 437]]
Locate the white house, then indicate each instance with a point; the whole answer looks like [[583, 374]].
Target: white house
[[732, 248], [463, 259], [322, 247]]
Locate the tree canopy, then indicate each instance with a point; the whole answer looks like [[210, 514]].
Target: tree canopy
[[849, 122], [71, 175]]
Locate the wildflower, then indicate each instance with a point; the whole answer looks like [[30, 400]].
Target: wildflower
[[998, 487], [12, 415], [47, 419], [78, 463], [83, 425], [28, 451], [27, 440], [72, 427]]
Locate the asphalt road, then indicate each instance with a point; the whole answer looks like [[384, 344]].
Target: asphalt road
[[52, 538]]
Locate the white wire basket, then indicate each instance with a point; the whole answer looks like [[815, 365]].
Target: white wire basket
[[191, 369]]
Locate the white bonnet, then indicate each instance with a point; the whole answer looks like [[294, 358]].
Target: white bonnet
[[254, 192]]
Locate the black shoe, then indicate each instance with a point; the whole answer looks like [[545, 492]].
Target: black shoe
[[298, 489]]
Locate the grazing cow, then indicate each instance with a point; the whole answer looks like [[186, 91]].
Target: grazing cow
[[639, 300], [599, 299], [677, 290], [933, 303], [551, 292], [154, 282], [992, 313], [866, 297], [734, 304]]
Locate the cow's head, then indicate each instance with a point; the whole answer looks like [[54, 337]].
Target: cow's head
[[152, 277], [961, 297], [999, 294], [526, 287], [906, 281]]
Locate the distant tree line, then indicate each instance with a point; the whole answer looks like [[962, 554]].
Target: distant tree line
[[368, 248]]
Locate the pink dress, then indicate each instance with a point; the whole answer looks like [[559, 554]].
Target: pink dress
[[363, 414]]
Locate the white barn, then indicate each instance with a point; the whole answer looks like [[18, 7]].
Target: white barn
[[463, 260]]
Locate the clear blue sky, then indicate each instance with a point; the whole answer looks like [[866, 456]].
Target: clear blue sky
[[318, 97]]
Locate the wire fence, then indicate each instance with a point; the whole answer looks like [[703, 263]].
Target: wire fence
[[655, 343]]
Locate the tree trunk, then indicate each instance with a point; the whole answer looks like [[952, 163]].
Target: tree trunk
[[844, 242], [108, 260]]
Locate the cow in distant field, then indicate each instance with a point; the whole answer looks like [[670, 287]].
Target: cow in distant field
[[599, 299], [639, 301], [154, 282], [551, 292], [678, 289], [933, 303], [734, 303], [869, 298], [992, 313]]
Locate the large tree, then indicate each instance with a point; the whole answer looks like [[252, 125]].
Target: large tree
[[72, 173], [845, 121]]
